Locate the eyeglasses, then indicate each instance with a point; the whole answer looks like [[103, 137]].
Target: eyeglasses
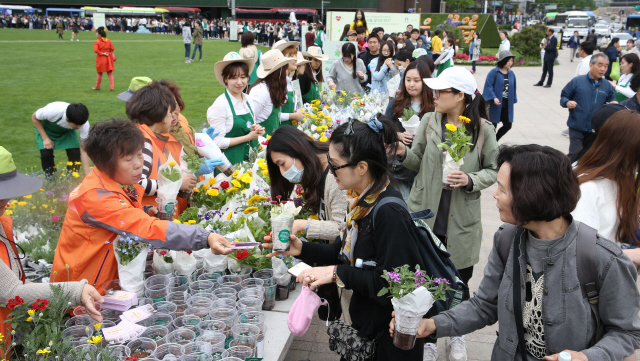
[[333, 168], [436, 93]]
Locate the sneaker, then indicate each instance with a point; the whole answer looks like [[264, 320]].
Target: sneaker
[[457, 349], [430, 352], [71, 39], [186, 61], [77, 39], [565, 132]]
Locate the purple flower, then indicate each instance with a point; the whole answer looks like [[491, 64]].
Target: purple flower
[[204, 125], [394, 277], [418, 273], [49, 193], [199, 143], [297, 202]]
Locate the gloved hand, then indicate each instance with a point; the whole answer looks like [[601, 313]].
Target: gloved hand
[[211, 132], [209, 166]]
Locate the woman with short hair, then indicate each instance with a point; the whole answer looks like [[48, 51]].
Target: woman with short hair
[[500, 92]]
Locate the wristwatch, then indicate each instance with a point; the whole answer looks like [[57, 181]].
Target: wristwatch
[[337, 279]]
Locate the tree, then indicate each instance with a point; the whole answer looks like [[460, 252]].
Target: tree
[[527, 41], [460, 4]]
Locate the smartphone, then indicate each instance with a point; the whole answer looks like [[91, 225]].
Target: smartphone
[[296, 270]]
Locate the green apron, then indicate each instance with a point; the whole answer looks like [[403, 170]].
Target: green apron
[[241, 126], [318, 39], [62, 138], [289, 107], [443, 66], [619, 96], [272, 122], [312, 94], [254, 74]]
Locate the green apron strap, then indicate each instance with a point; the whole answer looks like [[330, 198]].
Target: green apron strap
[[289, 107], [241, 126], [62, 138]]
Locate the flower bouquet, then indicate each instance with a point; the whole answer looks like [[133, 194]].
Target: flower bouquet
[[210, 150], [163, 262], [185, 265], [410, 121], [283, 214], [413, 295], [131, 256], [169, 183], [454, 154]]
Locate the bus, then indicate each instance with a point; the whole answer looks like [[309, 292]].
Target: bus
[[277, 15], [17, 10], [183, 12], [561, 19], [128, 12], [633, 24], [71, 12]]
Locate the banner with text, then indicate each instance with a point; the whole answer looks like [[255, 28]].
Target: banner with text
[[468, 23], [390, 22]]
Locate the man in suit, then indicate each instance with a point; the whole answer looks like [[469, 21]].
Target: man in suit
[[592, 37], [574, 44], [550, 53]]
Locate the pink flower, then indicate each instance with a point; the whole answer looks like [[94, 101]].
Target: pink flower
[[199, 143], [55, 218]]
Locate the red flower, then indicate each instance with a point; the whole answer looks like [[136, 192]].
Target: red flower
[[40, 305], [188, 252], [224, 185], [162, 253], [15, 302], [131, 358], [266, 142], [241, 254]]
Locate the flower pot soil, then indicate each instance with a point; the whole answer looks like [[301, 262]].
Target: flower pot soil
[[141, 354], [403, 341]]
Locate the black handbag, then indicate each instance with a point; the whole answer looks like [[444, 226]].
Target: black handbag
[[344, 340]]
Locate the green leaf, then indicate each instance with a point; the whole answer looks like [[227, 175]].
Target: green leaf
[[383, 292]]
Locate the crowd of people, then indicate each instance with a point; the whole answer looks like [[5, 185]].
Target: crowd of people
[[556, 207]]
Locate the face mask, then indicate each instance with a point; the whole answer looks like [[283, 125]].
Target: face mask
[[292, 174], [401, 68]]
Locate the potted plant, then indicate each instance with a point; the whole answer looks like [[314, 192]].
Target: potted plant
[[413, 293], [454, 153]]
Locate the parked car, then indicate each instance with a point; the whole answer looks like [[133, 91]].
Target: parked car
[[532, 22], [602, 30], [604, 41]]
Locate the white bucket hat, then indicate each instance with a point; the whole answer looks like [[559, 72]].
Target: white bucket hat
[[231, 57], [284, 43], [456, 77], [302, 60], [316, 53], [272, 60]]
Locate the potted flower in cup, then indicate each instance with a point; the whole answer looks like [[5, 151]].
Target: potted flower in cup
[[454, 153], [413, 293]]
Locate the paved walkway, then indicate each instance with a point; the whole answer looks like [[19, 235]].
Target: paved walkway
[[538, 119]]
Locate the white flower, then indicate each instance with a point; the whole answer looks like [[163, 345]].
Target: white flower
[[316, 136], [248, 125]]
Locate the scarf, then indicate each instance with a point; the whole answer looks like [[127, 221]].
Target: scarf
[[350, 227], [131, 191]]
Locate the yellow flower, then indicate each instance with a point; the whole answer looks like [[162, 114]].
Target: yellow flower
[[52, 211], [313, 216], [213, 192], [69, 163], [250, 210], [31, 312], [329, 123], [1, 337], [97, 326], [246, 178], [196, 190], [229, 215], [29, 319], [268, 137], [41, 190], [66, 265], [344, 92], [75, 174], [236, 183], [265, 173], [45, 206], [212, 181], [77, 163], [45, 350], [253, 200], [191, 221], [176, 221], [22, 203], [64, 175], [27, 196], [464, 119], [95, 339], [172, 164], [8, 212], [340, 99], [323, 139], [34, 207], [236, 172], [293, 122], [232, 189], [451, 127]]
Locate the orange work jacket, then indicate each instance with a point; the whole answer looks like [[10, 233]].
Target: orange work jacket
[[7, 224]]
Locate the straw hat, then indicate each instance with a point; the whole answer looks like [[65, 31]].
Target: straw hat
[[231, 57], [284, 43], [301, 60], [272, 60], [316, 53]]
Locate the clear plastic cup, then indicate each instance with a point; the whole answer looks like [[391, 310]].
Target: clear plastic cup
[[157, 282], [187, 321], [166, 307], [197, 348], [157, 295], [215, 326], [78, 334], [260, 342], [206, 286], [245, 334], [81, 320], [244, 272], [81, 352], [226, 315], [216, 339], [183, 288], [180, 280], [198, 301], [202, 312], [112, 285], [253, 317], [156, 333], [249, 303], [145, 301], [231, 359], [252, 292], [224, 303], [111, 315], [180, 308], [157, 319], [181, 336], [210, 276], [226, 292], [177, 297], [252, 283], [168, 348], [232, 281], [119, 351], [166, 209], [269, 288], [80, 310], [197, 357], [142, 347], [206, 294], [240, 351]]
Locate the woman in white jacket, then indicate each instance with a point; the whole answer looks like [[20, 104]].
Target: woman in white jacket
[[629, 65]]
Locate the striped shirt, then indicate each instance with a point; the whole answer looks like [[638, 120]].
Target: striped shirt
[[150, 185]]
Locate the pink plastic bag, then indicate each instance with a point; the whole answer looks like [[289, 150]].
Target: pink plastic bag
[[303, 310]]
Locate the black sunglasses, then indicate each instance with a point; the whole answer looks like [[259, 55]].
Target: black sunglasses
[[333, 168]]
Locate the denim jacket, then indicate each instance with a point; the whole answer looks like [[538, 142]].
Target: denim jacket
[[568, 321]]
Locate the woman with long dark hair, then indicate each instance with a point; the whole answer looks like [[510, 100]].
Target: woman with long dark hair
[[290, 50], [269, 92], [295, 158], [610, 200], [613, 53], [312, 77], [382, 68], [357, 158], [359, 21], [348, 73], [103, 48], [457, 207], [250, 51]]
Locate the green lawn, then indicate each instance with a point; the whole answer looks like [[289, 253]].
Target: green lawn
[[37, 69]]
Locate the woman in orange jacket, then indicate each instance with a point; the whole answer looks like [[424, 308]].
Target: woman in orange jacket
[[12, 278], [103, 48], [107, 204]]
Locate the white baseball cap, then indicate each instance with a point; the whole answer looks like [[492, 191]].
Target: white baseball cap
[[456, 77]]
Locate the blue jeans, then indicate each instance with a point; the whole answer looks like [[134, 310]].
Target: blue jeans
[[187, 50], [473, 65], [195, 48]]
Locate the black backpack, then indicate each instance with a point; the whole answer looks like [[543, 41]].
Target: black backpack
[[435, 258]]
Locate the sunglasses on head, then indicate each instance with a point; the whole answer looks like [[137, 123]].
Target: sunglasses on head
[[333, 168]]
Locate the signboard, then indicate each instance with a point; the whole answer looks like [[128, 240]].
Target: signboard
[[390, 22], [98, 20], [233, 31], [469, 24]]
